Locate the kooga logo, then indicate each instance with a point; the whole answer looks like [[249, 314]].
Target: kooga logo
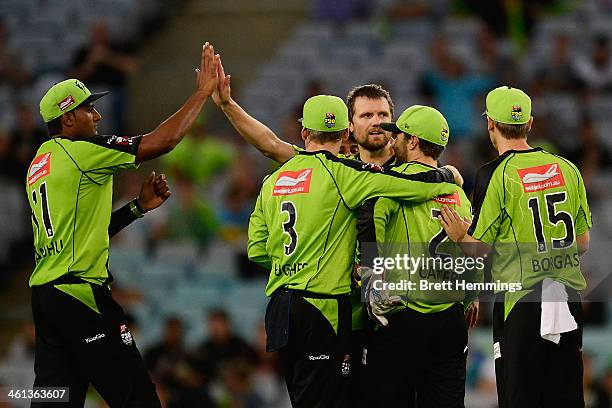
[[321, 357], [96, 337]]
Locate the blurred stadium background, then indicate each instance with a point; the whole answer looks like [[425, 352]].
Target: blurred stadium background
[[181, 272]]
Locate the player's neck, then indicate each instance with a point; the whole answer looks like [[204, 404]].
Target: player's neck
[[330, 147], [378, 157], [503, 145]]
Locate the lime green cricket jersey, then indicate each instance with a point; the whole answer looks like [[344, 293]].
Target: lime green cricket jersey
[[69, 186], [390, 227], [531, 205], [303, 226]]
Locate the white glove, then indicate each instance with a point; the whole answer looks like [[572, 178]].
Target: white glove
[[377, 301]]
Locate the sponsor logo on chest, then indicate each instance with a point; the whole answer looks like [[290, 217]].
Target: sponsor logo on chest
[[40, 167], [541, 177], [292, 182]]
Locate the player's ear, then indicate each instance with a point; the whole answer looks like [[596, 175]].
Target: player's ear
[[67, 119], [530, 124], [304, 134], [490, 124], [351, 126]]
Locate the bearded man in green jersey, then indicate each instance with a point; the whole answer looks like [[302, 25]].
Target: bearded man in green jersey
[[303, 228], [423, 331], [81, 332], [531, 212]]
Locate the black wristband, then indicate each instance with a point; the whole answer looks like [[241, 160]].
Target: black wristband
[[136, 208]]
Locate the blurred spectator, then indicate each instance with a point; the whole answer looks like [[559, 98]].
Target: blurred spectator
[[267, 380], [341, 11], [405, 9], [556, 73], [595, 72], [102, 64], [165, 357], [595, 395], [17, 366], [9, 168], [493, 59], [27, 137], [454, 90], [12, 70], [222, 346], [192, 390], [237, 388], [200, 156]]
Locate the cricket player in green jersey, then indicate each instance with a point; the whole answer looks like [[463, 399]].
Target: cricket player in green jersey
[[303, 228], [531, 212], [81, 332], [422, 330]]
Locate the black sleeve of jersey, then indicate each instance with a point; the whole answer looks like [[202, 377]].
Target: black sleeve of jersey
[[366, 233], [120, 219], [440, 175], [483, 178], [126, 144]]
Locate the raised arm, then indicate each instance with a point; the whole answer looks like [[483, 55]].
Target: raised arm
[[171, 131], [253, 131]]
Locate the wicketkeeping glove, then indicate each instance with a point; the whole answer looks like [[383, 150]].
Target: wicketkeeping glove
[[377, 301]]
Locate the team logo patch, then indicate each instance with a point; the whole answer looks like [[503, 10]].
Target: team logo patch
[[448, 199], [330, 120], [79, 85], [541, 177], [346, 365], [517, 113], [292, 182], [444, 134], [126, 336], [40, 167], [66, 102]]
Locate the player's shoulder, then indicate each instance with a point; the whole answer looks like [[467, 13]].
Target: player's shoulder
[[412, 167]]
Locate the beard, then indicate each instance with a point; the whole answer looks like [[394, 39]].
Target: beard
[[374, 142]]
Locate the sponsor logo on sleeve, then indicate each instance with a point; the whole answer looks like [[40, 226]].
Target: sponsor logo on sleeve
[[120, 140], [66, 102], [448, 199], [292, 182], [40, 167], [541, 177]]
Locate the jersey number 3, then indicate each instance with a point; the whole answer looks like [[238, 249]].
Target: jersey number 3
[[289, 226]]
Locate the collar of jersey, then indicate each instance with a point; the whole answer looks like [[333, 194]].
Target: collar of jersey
[[535, 149]]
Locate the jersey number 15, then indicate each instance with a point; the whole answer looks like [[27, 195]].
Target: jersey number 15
[[554, 217]]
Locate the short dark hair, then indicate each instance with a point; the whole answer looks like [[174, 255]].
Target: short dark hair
[[513, 131], [218, 314], [430, 149], [325, 137], [370, 91], [54, 127]]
